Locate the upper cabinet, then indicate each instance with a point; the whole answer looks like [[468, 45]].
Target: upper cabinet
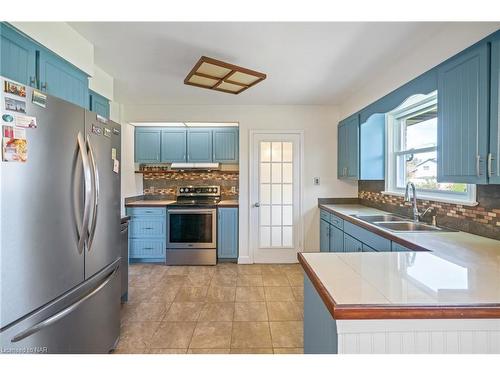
[[181, 145], [173, 145], [372, 148], [463, 84], [493, 159], [29, 63], [17, 57], [199, 145], [225, 145], [61, 79], [147, 145], [98, 104], [348, 148]]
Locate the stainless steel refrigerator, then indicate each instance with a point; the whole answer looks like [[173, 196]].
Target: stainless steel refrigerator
[[60, 235]]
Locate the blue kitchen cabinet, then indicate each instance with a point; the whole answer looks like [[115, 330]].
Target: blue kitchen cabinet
[[147, 145], [227, 233], [61, 79], [17, 56], [98, 104], [199, 145], [494, 154], [173, 145], [463, 85], [225, 145], [324, 236], [352, 245], [320, 329], [336, 240], [367, 237], [372, 148], [348, 148], [147, 234]]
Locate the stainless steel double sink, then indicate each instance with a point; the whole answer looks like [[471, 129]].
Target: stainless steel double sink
[[396, 223]]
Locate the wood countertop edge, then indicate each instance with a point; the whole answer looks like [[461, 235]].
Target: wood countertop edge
[[377, 311], [374, 229]]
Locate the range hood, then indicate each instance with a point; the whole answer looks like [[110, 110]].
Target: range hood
[[201, 166]]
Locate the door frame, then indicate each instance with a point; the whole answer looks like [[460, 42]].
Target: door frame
[[252, 175]]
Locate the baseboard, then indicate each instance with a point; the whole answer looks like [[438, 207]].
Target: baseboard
[[245, 260]]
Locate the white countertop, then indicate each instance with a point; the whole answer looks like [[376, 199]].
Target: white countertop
[[461, 269]]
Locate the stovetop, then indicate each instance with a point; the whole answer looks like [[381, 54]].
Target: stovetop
[[198, 195]]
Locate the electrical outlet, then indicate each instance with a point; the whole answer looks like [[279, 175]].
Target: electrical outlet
[[233, 189], [316, 180]]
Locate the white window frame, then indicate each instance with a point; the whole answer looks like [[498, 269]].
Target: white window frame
[[412, 105]]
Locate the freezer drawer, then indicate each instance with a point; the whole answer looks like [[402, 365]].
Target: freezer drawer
[[87, 320]]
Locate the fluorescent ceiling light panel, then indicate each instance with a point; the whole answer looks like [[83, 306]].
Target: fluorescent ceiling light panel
[[221, 76]]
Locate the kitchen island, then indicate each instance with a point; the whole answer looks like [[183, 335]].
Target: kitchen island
[[443, 300]]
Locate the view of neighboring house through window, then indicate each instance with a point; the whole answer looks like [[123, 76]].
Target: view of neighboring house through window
[[412, 151]]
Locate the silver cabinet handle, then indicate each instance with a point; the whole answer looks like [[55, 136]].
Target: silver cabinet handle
[[44, 86], [61, 314], [478, 167], [96, 195], [490, 165], [82, 232], [257, 204], [32, 81]]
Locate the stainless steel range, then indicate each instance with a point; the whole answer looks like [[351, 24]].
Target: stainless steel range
[[192, 226]]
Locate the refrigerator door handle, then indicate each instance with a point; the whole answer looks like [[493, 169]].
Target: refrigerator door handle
[[64, 312], [93, 221], [82, 232]]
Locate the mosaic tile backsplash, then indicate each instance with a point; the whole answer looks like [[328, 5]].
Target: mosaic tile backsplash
[[483, 219], [165, 184]]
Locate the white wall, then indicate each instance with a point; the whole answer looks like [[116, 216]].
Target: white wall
[[320, 137], [453, 39], [102, 83]]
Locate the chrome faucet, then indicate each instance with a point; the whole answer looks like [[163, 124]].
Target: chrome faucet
[[416, 215]]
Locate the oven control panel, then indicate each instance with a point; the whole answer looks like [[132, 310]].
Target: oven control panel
[[200, 191]]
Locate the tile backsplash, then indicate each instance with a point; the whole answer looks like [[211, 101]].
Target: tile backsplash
[[483, 219], [165, 184]]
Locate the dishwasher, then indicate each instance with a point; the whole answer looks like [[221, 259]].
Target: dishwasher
[[124, 256]]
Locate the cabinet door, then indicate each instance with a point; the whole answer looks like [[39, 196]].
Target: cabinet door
[[352, 151], [494, 157], [61, 79], [324, 236], [372, 148], [341, 150], [98, 104], [147, 145], [17, 57], [463, 117], [398, 247], [199, 145], [225, 145], [227, 241], [173, 145], [352, 245], [336, 240]]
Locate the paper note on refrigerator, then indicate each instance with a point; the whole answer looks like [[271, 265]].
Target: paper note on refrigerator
[[116, 166]]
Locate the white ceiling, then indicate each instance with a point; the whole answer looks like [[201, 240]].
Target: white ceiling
[[305, 63]]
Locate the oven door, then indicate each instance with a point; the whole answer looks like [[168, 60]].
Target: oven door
[[191, 228]]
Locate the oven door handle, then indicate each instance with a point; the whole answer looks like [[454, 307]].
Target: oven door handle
[[191, 211]]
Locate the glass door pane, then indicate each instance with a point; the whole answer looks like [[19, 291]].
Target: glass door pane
[[276, 194]]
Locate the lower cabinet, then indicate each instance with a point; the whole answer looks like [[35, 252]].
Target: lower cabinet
[[336, 240], [147, 234], [324, 236], [398, 247], [227, 233], [320, 329], [352, 245]]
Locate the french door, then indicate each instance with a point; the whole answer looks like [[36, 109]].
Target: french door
[[275, 188]]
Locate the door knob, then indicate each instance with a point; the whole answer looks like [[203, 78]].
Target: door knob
[[257, 204]]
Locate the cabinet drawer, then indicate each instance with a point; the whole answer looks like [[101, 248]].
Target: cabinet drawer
[[325, 215], [374, 241], [147, 248], [337, 221], [147, 227], [398, 247], [146, 211]]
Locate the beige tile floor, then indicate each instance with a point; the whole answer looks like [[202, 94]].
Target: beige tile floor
[[227, 308]]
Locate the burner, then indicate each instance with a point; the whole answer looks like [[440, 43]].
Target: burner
[[198, 195]]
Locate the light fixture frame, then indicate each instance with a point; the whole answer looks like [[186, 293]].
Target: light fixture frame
[[233, 69]]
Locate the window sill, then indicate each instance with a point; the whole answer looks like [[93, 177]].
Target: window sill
[[433, 198]]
